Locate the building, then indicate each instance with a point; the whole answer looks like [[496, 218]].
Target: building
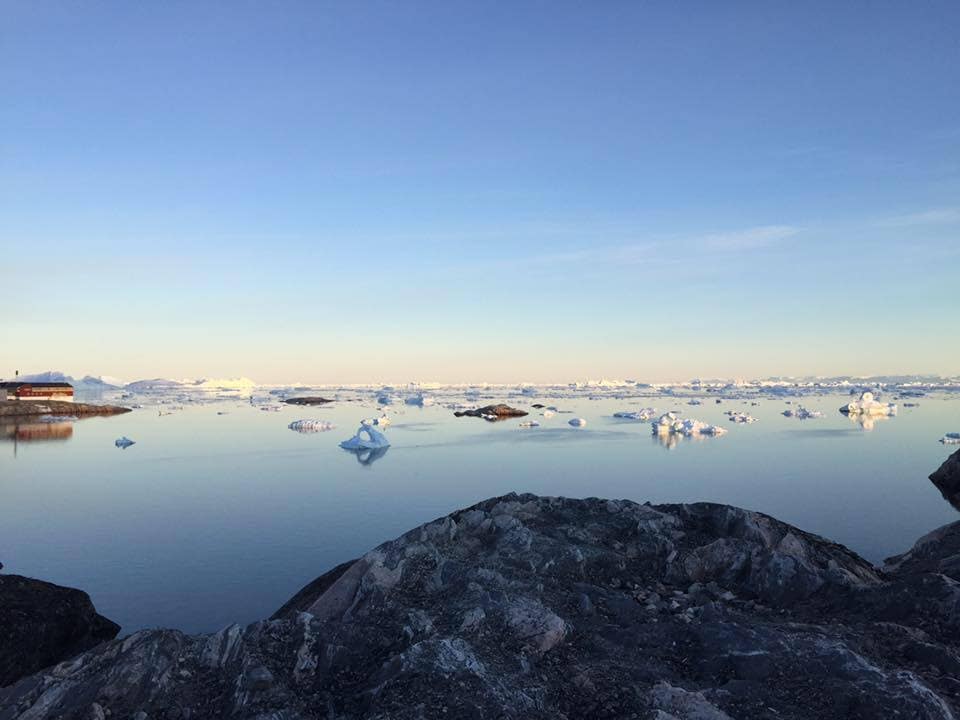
[[38, 391]]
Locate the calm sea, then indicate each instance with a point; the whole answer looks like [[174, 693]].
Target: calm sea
[[215, 518]]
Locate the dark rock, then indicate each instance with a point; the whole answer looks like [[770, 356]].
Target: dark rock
[[307, 401], [496, 412], [42, 624], [947, 479], [536, 607]]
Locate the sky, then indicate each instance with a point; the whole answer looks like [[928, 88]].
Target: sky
[[447, 191]]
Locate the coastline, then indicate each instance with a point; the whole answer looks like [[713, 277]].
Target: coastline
[[20, 408]]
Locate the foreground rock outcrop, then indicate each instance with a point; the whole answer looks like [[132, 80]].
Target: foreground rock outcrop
[[537, 607], [42, 624]]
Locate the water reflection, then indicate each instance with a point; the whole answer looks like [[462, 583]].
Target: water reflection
[[866, 421], [33, 430], [368, 456]]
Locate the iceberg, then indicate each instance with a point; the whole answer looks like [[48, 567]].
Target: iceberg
[[866, 405], [382, 421], [740, 417], [643, 415], [311, 426], [669, 424], [951, 438], [420, 400], [529, 424], [367, 438], [124, 442], [578, 422]]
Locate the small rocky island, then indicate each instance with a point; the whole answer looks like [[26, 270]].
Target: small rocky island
[[545, 607], [15, 409], [492, 412], [307, 401]]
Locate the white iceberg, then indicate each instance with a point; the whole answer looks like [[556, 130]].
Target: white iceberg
[[367, 438], [578, 422], [741, 417], [548, 413], [124, 442], [382, 421], [866, 405], [311, 426], [670, 424], [643, 415]]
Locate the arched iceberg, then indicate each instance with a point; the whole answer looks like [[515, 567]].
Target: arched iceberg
[[367, 438]]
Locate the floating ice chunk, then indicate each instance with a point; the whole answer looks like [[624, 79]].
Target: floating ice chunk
[[578, 422], [951, 438], [741, 417], [384, 399], [549, 413], [366, 438], [529, 424], [420, 400], [695, 402], [382, 421], [270, 408], [643, 415], [311, 426], [669, 424], [124, 442], [866, 405], [801, 413]]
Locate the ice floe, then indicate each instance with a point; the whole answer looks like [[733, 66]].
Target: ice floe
[[669, 424], [801, 413], [529, 424], [578, 422], [740, 417], [381, 421], [311, 426], [124, 442], [367, 438], [643, 415], [866, 405], [951, 438]]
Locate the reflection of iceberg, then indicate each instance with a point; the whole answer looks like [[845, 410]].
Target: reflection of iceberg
[[866, 421], [801, 413], [866, 405], [124, 442], [643, 415], [57, 418], [952, 438], [369, 457], [367, 438], [670, 424], [311, 426]]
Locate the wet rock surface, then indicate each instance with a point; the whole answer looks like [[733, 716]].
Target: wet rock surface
[[537, 607], [307, 401], [499, 412], [42, 624]]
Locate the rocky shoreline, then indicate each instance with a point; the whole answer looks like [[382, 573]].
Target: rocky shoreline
[[14, 409], [544, 607]]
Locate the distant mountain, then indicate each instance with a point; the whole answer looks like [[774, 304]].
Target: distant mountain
[[153, 384], [48, 376]]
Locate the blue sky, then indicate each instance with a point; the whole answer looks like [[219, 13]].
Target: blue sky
[[367, 192]]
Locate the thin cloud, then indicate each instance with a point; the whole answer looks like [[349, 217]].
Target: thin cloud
[[941, 216], [750, 239]]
